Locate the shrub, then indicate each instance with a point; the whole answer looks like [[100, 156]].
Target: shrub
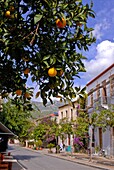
[[38, 143], [50, 146]]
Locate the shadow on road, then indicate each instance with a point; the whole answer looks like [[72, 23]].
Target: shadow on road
[[26, 157]]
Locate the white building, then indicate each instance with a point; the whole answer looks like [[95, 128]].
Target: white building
[[101, 96], [70, 113]]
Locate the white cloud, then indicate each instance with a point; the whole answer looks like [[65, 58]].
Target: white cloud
[[103, 59], [99, 29]]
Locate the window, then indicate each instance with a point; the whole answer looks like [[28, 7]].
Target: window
[[100, 137], [66, 114], [71, 114], [104, 92], [93, 137], [91, 99], [112, 85], [98, 91], [61, 115]]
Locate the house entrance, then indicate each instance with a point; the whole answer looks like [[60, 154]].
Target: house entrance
[[100, 137]]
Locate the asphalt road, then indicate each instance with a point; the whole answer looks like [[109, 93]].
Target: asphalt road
[[31, 160]]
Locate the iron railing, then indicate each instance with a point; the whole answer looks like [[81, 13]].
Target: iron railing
[[104, 102]]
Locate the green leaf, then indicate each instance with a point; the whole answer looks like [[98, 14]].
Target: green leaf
[[65, 6], [37, 18], [46, 57], [46, 63]]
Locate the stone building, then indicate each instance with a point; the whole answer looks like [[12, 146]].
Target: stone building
[[101, 97]]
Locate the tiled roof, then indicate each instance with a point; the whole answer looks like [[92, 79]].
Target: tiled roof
[[99, 75]]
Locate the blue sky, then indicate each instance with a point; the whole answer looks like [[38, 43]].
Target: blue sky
[[100, 54]]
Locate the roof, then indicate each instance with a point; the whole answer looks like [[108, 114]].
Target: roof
[[99, 75], [68, 104], [48, 116], [53, 114], [5, 131]]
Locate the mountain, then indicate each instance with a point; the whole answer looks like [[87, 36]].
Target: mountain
[[40, 110]]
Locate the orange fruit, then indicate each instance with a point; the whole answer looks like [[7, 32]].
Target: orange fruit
[[60, 72], [26, 95], [12, 8], [19, 92], [52, 72], [61, 23], [26, 71], [7, 14], [78, 24]]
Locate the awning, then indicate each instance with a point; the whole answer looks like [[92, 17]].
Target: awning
[[5, 131]]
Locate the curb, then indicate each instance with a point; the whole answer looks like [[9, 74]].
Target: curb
[[93, 164], [78, 162]]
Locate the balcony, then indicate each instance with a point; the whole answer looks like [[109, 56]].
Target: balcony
[[102, 103]]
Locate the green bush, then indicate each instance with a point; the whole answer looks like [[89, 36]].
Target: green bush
[[50, 145], [97, 149], [38, 143], [31, 143]]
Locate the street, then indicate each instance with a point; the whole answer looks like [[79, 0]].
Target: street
[[32, 160]]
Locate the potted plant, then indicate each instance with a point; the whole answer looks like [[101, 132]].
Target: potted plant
[[38, 144], [97, 149], [50, 146]]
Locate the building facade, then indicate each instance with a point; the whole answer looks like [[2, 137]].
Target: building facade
[[68, 112], [101, 97]]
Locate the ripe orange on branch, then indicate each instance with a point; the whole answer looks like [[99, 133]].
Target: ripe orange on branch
[[78, 24], [52, 72], [61, 23], [26, 71], [60, 72], [12, 8], [27, 95], [19, 92], [7, 14]]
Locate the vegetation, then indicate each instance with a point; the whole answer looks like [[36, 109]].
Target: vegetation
[[39, 143], [50, 146], [48, 130], [36, 36], [40, 131], [106, 118], [17, 121], [65, 129]]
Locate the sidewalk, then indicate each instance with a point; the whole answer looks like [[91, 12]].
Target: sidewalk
[[97, 161]]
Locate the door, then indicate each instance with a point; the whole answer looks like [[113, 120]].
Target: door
[[100, 137]]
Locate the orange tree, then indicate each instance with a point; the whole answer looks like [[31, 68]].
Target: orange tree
[[38, 35]]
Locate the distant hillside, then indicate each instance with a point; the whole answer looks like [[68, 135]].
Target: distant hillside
[[40, 110]]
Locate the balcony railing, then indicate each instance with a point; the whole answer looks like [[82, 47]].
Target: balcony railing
[[104, 102]]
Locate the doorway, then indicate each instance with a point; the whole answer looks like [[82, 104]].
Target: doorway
[[100, 137]]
